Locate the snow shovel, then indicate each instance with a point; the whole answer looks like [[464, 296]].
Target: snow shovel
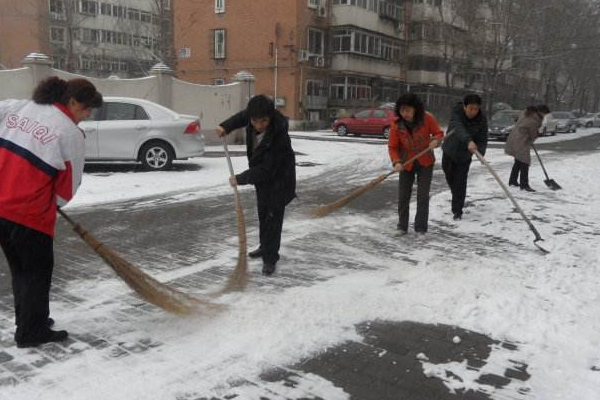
[[147, 287], [551, 183], [239, 278], [538, 237]]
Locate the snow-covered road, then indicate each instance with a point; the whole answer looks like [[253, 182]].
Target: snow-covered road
[[482, 274]]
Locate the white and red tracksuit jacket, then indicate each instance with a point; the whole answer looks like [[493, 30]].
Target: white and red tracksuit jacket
[[41, 162]]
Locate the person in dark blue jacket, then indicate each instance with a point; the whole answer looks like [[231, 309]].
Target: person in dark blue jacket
[[272, 171], [467, 132]]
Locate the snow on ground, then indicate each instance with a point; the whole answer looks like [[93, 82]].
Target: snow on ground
[[482, 274], [328, 133]]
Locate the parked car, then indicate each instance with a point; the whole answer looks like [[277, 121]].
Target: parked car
[[590, 120], [140, 130], [563, 121], [501, 123], [374, 121]]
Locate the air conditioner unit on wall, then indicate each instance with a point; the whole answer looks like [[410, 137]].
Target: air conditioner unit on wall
[[322, 11], [302, 55], [319, 61]]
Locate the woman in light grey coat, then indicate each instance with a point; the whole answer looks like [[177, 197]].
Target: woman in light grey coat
[[519, 144]]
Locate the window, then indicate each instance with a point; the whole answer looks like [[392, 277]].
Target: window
[[106, 9], [314, 3], [379, 114], [342, 41], [90, 35], [145, 16], [57, 35], [219, 6], [124, 111], [314, 88], [362, 114], [166, 4], [350, 88], [133, 14], [219, 81], [355, 41], [88, 7], [219, 43], [57, 6], [185, 52], [118, 11], [315, 42]]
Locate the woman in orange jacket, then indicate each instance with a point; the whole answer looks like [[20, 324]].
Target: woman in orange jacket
[[414, 131]]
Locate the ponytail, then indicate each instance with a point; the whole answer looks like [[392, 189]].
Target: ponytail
[[50, 91], [55, 90]]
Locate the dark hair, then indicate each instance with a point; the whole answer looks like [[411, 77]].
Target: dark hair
[[411, 100], [472, 99], [55, 90], [260, 106], [530, 110], [542, 108]]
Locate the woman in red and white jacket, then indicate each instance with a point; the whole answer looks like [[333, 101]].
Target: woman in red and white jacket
[[41, 162], [414, 131]]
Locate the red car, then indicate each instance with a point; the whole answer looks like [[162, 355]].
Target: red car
[[375, 121]]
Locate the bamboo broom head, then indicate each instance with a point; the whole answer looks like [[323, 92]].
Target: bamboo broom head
[[336, 205], [147, 287], [238, 280]]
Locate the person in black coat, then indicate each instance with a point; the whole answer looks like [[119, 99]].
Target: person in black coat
[[272, 171], [467, 132]]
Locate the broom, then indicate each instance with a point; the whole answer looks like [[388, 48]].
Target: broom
[[147, 287], [328, 208], [238, 279]]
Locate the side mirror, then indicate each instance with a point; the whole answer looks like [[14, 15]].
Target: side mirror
[[352, 116]]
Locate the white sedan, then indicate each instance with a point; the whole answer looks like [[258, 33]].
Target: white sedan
[[139, 130]]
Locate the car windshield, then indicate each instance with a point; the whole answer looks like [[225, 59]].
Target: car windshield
[[562, 115], [504, 118]]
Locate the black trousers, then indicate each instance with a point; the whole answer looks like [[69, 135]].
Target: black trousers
[[456, 176], [30, 258], [407, 179], [270, 219], [519, 169]]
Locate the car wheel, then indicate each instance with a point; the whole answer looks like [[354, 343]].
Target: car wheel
[[342, 130], [588, 125], [156, 156], [386, 132]]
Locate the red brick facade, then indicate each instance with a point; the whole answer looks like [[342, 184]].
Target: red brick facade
[[254, 29]]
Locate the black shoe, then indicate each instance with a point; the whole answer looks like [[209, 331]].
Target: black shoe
[[401, 229], [527, 188], [268, 269], [49, 336], [420, 231], [50, 322], [457, 217], [513, 183], [256, 253]]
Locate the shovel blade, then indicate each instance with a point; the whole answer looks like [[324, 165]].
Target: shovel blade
[[551, 183]]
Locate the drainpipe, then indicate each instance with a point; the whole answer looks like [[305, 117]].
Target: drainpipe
[[275, 95]]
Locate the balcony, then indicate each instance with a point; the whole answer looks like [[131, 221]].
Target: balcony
[[390, 10], [58, 16], [314, 102]]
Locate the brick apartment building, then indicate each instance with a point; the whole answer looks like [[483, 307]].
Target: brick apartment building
[[317, 58], [91, 37]]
